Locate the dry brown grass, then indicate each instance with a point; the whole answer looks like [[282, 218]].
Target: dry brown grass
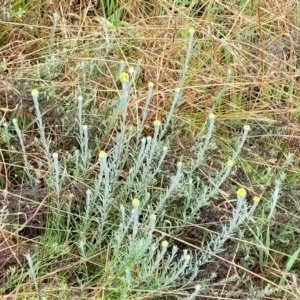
[[259, 41]]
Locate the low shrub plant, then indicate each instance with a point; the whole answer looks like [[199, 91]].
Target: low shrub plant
[[125, 228], [115, 196]]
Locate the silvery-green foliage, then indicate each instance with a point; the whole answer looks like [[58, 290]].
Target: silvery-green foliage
[[83, 137], [278, 183], [27, 166], [50, 68], [132, 242], [52, 36], [139, 196], [4, 211], [6, 135], [187, 57], [56, 174], [32, 272], [19, 133], [45, 142]]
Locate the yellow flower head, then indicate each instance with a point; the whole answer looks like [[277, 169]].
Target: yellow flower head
[[247, 127], [157, 123], [55, 155], [34, 92], [212, 116], [135, 202], [177, 90], [153, 216], [241, 192], [124, 76], [256, 199], [192, 30], [230, 163], [179, 164], [150, 84], [188, 257], [164, 243], [102, 154]]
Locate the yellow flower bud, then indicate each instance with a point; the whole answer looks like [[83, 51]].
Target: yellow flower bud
[[212, 116], [102, 154], [153, 216], [124, 76], [157, 123], [34, 92], [164, 243], [230, 163], [241, 192], [135, 202]]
